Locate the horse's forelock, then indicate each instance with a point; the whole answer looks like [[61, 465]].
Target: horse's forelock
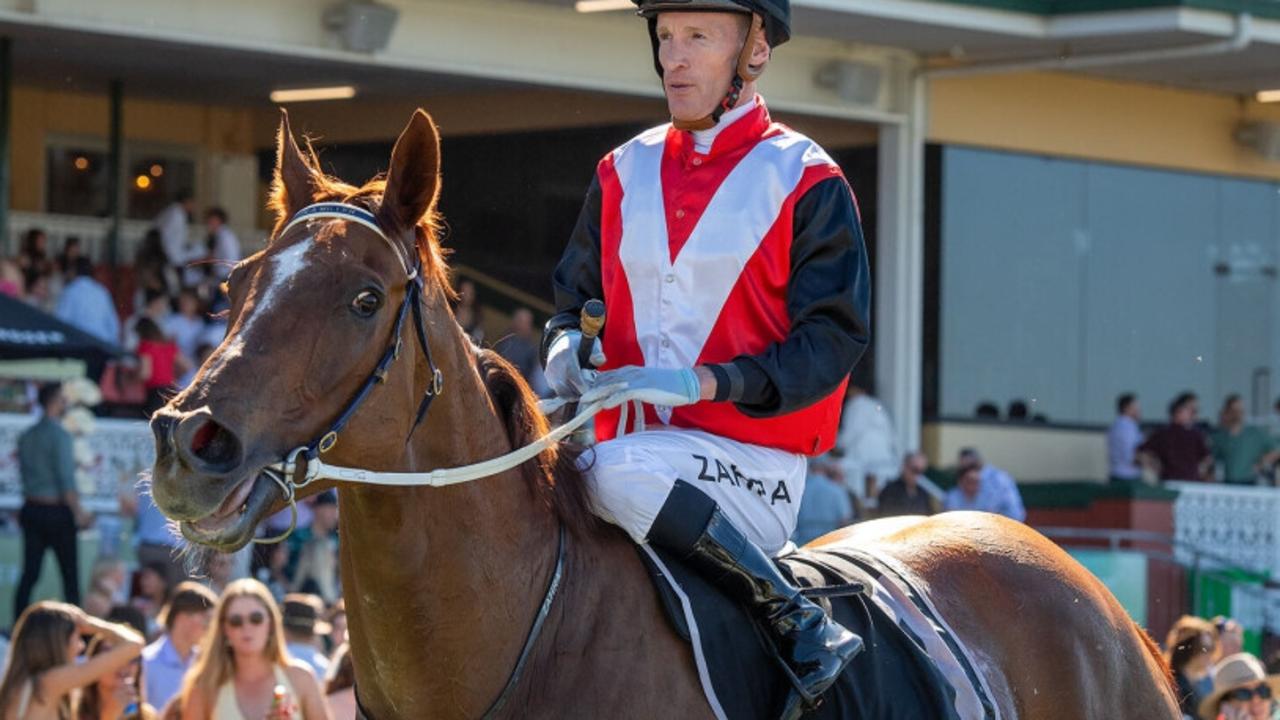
[[553, 477], [368, 196]]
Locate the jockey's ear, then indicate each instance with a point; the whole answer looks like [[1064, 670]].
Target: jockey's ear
[[296, 178], [413, 179]]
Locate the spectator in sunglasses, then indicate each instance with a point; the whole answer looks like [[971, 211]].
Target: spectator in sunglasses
[[243, 671], [1242, 690], [117, 695]]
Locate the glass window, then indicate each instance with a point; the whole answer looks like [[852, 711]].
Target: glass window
[[153, 181], [76, 181]]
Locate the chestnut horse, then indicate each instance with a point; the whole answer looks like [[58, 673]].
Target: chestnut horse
[[444, 583]]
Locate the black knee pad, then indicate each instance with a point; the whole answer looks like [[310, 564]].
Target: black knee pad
[[682, 519]]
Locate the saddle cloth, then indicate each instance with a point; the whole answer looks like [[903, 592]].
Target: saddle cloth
[[912, 667]]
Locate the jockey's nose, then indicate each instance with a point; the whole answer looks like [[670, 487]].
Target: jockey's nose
[[200, 442]]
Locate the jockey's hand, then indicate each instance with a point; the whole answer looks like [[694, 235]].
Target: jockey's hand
[[565, 377], [655, 386]]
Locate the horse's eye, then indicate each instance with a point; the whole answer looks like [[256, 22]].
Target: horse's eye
[[366, 303]]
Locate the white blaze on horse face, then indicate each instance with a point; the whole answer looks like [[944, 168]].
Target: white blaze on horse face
[[285, 266]]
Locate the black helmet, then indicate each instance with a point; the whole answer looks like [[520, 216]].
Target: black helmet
[[776, 14]]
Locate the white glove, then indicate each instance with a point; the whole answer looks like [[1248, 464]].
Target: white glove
[[662, 387], [565, 377]]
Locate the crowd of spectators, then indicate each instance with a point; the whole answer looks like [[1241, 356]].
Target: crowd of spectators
[[1215, 678], [269, 619], [1186, 449], [161, 311]]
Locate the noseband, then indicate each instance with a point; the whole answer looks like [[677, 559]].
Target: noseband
[[283, 473]]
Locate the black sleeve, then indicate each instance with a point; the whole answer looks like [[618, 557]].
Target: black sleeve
[[828, 302], [577, 276]]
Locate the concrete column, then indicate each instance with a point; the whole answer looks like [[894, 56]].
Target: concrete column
[[898, 322], [8, 245], [115, 143]]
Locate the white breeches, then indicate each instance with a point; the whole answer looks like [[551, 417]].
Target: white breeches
[[757, 488]]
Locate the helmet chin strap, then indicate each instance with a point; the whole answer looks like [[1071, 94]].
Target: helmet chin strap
[[744, 75]]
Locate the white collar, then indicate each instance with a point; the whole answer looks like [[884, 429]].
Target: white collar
[[703, 139]]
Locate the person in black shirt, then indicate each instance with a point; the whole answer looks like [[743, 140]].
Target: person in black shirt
[[904, 496]]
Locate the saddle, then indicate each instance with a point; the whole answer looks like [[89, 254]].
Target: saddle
[[913, 666]]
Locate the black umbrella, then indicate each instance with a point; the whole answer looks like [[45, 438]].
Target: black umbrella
[[26, 332]]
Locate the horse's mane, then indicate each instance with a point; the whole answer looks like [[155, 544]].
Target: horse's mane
[[553, 477], [327, 188]]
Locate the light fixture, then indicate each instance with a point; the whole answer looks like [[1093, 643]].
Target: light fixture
[[142, 182], [157, 170], [1269, 96], [337, 92], [587, 6], [82, 163]]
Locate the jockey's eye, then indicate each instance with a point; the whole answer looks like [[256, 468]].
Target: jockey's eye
[[366, 303]]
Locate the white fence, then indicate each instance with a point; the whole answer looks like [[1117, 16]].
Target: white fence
[[109, 461], [1240, 526]]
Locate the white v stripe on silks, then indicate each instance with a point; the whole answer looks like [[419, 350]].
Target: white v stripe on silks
[[675, 305]]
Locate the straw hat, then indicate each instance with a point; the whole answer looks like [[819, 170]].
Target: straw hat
[[1236, 671]]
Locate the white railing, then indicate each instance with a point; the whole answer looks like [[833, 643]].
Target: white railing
[[93, 231], [1239, 525], [115, 452]]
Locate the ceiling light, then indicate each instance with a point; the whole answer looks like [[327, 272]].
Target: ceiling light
[[586, 6], [1269, 96], [338, 92]]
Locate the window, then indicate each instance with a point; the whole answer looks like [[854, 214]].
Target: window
[[151, 177], [76, 181]]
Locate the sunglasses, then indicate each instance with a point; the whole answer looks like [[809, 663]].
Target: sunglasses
[[254, 618], [1246, 694]]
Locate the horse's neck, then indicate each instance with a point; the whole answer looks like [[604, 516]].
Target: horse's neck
[[444, 580]]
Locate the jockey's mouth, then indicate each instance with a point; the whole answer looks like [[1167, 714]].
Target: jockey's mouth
[[231, 526]]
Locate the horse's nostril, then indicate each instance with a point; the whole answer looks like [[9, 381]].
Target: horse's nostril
[[215, 445]]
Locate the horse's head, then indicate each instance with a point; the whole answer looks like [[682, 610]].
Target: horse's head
[[311, 317]]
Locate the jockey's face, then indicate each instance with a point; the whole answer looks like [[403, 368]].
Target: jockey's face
[[699, 54]]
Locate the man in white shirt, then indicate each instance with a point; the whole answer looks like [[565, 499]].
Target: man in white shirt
[[224, 246], [172, 223], [869, 443]]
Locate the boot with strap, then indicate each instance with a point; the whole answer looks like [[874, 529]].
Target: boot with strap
[[813, 648]]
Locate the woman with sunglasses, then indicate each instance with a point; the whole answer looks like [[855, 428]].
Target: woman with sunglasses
[[1242, 690], [242, 671], [117, 695], [43, 674]]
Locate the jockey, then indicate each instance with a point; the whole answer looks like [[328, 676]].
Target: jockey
[[728, 252]]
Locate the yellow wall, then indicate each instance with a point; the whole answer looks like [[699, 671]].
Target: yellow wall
[[1071, 115], [1030, 453], [38, 113]]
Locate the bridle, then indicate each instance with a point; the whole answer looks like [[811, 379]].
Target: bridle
[[288, 474], [285, 473]]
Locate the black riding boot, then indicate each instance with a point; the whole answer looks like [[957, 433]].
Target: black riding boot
[[814, 648]]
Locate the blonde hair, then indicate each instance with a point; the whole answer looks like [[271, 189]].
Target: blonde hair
[[215, 663]]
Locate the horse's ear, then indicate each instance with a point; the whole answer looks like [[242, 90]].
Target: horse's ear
[[413, 179], [296, 179]]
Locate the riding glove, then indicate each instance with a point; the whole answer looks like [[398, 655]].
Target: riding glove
[[662, 387], [564, 375]]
